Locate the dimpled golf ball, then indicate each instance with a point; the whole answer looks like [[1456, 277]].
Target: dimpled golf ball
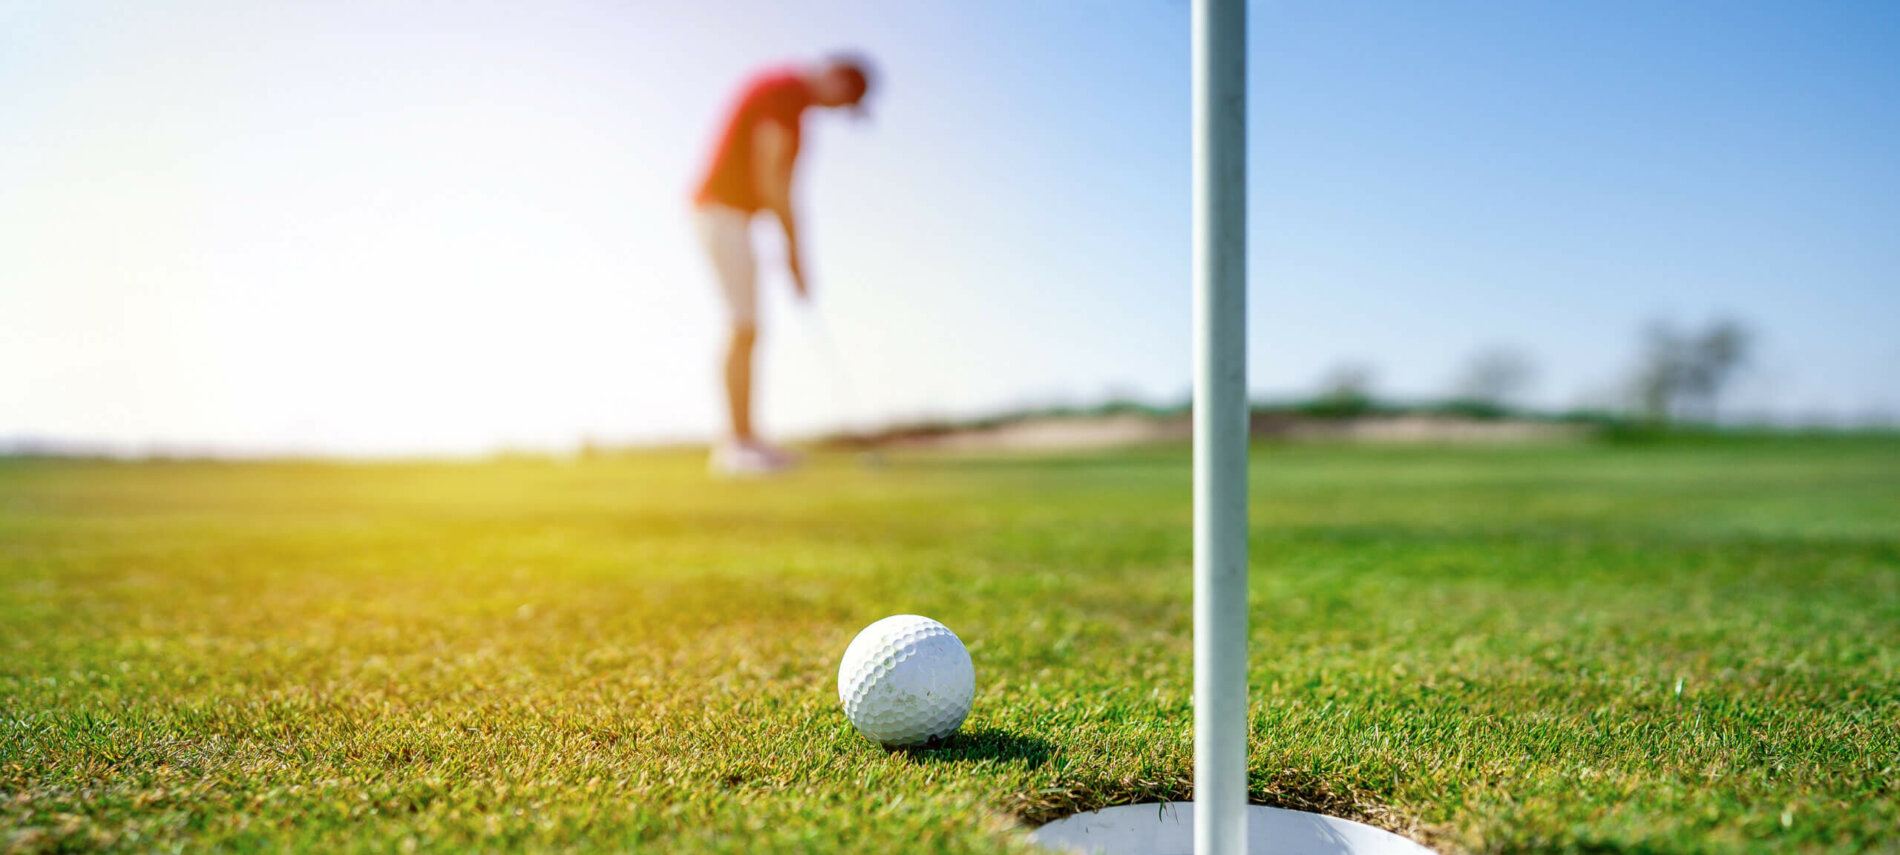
[[906, 681]]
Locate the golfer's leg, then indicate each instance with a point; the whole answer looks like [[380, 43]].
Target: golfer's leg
[[739, 379], [727, 236]]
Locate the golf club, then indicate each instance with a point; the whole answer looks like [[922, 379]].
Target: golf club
[[853, 422]]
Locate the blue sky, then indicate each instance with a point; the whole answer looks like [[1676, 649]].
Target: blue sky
[[368, 227]]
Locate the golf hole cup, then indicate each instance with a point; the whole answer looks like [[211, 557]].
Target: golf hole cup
[[906, 681]]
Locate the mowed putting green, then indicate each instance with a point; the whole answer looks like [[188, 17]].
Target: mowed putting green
[[1673, 646]]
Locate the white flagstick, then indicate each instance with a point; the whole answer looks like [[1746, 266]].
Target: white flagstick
[[1220, 426]]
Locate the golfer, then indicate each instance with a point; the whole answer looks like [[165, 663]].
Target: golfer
[[751, 173]]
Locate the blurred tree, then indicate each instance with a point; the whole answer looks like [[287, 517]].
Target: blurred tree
[[1683, 374], [1493, 379], [1346, 390]]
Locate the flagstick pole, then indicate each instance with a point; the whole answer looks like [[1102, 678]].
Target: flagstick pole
[[1220, 426]]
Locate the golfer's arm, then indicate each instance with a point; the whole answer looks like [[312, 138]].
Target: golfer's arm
[[772, 168]]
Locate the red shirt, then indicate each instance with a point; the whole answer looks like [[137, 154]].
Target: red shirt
[[774, 96]]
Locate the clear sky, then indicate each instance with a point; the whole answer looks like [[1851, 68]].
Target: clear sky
[[394, 227]]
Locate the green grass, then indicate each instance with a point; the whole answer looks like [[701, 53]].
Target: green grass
[[1674, 646]]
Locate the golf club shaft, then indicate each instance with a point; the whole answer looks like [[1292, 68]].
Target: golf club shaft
[[841, 376]]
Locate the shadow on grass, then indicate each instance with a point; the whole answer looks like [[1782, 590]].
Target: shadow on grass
[[984, 745]]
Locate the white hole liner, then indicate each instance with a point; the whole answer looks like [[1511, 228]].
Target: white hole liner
[[1168, 829]]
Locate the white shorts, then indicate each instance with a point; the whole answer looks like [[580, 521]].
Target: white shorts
[[727, 235]]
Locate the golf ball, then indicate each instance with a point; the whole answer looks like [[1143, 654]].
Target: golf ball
[[905, 681]]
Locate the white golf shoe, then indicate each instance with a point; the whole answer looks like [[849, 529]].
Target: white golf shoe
[[749, 459]]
